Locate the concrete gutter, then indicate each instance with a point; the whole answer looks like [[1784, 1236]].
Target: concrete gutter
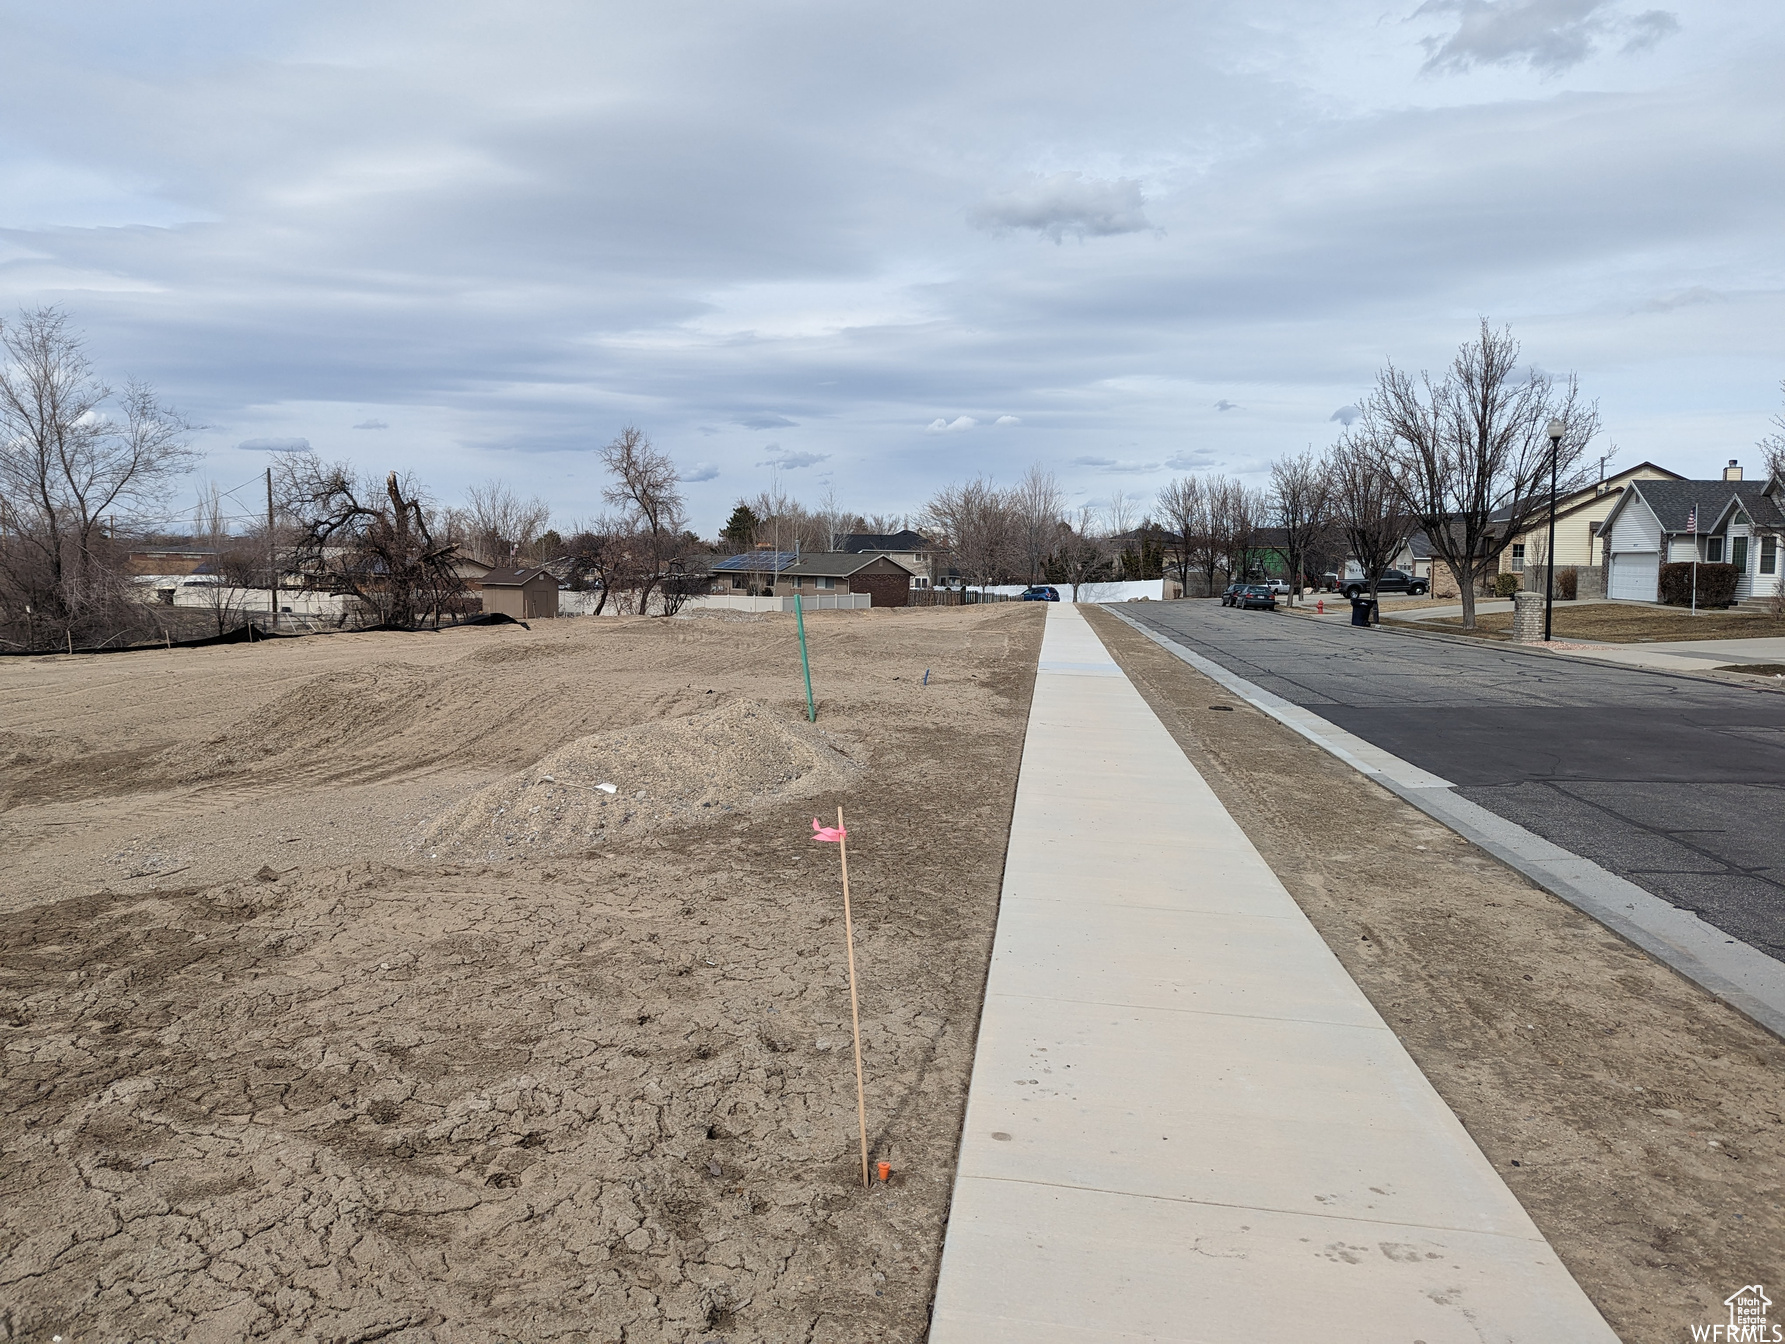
[[1741, 976]]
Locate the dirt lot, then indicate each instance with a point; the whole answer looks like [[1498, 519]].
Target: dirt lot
[[1619, 623], [337, 1004], [1640, 1122]]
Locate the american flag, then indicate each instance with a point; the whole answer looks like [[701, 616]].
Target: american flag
[[1692, 519]]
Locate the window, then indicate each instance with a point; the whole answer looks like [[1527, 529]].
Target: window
[[1713, 550], [1518, 557], [1769, 555], [1738, 553], [827, 583]]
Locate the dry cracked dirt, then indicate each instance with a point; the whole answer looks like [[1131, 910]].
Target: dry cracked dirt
[[337, 1004]]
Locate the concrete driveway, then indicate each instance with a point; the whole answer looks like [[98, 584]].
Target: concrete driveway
[[1674, 783]]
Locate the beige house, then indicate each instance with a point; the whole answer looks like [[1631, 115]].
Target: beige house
[[1578, 519]]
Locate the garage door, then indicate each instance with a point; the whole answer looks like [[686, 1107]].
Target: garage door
[[1636, 576]]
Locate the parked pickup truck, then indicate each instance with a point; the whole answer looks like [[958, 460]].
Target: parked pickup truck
[[1392, 581]]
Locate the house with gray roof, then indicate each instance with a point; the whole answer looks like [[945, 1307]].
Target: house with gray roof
[[1729, 521], [815, 574]]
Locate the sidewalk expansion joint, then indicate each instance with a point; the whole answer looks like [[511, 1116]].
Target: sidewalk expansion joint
[[1320, 1214]]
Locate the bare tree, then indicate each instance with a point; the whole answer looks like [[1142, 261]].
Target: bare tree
[[1470, 457], [1365, 505], [1301, 503], [76, 459], [1081, 553], [219, 591], [373, 545], [644, 486], [1773, 445], [1036, 503], [1120, 513], [601, 554], [1234, 518], [1185, 507], [502, 527], [975, 521]]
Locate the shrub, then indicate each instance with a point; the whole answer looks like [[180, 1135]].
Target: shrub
[[1567, 583], [1506, 584], [1716, 584]]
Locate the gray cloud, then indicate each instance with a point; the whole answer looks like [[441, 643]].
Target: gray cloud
[[1345, 415], [383, 227], [791, 461], [766, 422], [700, 471], [274, 445], [372, 424], [1065, 204], [1546, 35], [1225, 405], [1115, 465]]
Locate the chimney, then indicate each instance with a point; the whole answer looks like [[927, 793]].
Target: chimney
[[1733, 472]]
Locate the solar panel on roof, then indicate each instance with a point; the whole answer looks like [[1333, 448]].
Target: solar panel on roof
[[756, 561]]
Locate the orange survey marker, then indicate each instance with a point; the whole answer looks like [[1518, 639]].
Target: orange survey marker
[[838, 836], [885, 1171]]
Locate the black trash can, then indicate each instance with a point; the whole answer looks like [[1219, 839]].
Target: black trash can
[[1363, 611]]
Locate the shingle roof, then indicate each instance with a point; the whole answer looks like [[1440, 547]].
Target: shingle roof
[[857, 542], [1672, 501], [514, 578], [813, 564], [834, 564]]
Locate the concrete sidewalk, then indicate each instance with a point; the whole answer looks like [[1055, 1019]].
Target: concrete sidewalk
[[1186, 1122]]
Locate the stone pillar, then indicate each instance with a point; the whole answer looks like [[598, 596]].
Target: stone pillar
[[1527, 618]]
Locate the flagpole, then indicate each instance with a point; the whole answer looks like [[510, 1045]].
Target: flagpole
[[1695, 558], [855, 1021]]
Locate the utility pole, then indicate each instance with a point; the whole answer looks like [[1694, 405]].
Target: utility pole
[[272, 554], [1556, 430]]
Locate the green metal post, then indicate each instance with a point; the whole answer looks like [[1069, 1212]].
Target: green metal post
[[799, 617]]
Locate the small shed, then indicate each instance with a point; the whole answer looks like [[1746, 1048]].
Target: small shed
[[525, 594]]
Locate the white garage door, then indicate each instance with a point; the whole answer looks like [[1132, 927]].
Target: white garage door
[[1636, 576]]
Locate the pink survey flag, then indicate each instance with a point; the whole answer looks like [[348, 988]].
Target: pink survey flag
[[834, 834]]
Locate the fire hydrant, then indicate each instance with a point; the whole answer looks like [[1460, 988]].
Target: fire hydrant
[[1320, 606]]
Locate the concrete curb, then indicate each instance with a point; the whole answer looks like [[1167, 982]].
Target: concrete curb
[[1741, 976]]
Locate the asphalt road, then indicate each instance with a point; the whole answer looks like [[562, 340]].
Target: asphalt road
[[1675, 783]]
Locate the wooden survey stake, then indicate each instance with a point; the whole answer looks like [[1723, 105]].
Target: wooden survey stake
[[855, 1020]]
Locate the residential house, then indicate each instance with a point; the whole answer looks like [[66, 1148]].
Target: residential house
[[915, 552], [1727, 521], [818, 573], [1579, 516]]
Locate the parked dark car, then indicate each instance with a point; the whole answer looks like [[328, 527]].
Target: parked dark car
[[1229, 593], [1255, 596], [1041, 592], [1392, 581]]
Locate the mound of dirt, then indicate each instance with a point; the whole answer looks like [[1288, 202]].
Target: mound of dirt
[[330, 714], [667, 774]]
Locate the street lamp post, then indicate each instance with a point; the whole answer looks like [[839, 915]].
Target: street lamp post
[[1556, 430]]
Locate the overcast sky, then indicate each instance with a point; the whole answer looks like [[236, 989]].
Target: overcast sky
[[886, 246]]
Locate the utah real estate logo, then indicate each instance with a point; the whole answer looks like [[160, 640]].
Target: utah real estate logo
[[1748, 1306]]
